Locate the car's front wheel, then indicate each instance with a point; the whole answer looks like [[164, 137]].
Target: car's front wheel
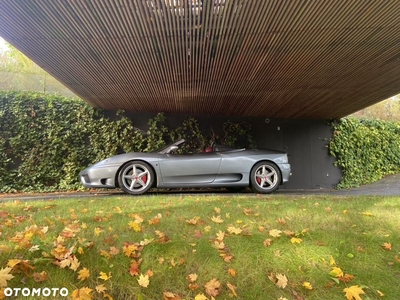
[[136, 177], [265, 177]]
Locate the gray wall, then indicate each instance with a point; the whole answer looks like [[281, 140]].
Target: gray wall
[[305, 141]]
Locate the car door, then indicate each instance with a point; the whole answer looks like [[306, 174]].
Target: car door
[[189, 169]]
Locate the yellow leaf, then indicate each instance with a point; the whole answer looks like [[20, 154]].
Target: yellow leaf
[[217, 210], [97, 231], [104, 275], [353, 292], [143, 280], [234, 230], [80, 250], [219, 245], [220, 235], [294, 240], [13, 262], [135, 226], [336, 272], [129, 249], [267, 242], [387, 246], [332, 261], [193, 221], [207, 228], [74, 263], [200, 297], [307, 285], [83, 274], [275, 233], [5, 276], [217, 219], [282, 280], [367, 213], [232, 288], [380, 293], [82, 294], [232, 272], [212, 287], [171, 296]]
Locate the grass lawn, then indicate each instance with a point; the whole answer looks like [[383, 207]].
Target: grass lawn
[[204, 247]]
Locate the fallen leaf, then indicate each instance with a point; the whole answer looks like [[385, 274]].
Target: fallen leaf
[[353, 292], [380, 293], [282, 280], [220, 235], [267, 242], [83, 274], [192, 277], [212, 287], [82, 294], [387, 246], [100, 288], [275, 233], [200, 297], [294, 240], [171, 296], [307, 285], [217, 219], [40, 277], [346, 278], [336, 272], [367, 213], [232, 272], [232, 288], [135, 226], [193, 221], [144, 280], [104, 276], [234, 230]]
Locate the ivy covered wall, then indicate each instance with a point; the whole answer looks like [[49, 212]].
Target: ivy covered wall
[[46, 140]]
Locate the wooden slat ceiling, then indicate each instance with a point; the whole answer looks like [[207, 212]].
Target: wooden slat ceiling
[[317, 59]]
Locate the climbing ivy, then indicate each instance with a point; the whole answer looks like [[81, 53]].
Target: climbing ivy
[[365, 149], [46, 140]]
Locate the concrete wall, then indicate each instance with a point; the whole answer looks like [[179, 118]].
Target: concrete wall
[[305, 142]]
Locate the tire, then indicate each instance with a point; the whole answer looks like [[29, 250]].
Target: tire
[[265, 177], [136, 177]]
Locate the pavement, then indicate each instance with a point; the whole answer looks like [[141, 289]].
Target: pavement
[[388, 186]]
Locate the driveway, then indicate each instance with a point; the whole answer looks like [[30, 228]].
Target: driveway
[[389, 186]]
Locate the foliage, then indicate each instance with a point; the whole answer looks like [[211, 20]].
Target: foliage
[[366, 150], [45, 140], [204, 247]]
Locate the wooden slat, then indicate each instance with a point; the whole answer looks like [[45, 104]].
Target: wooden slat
[[270, 58]]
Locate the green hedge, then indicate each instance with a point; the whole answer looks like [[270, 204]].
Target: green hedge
[[46, 140], [365, 149]]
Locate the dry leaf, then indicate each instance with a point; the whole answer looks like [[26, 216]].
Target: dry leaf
[[275, 233], [267, 242], [282, 280], [234, 230], [336, 272], [353, 292], [212, 287], [104, 276], [192, 277], [143, 280], [171, 296], [294, 240], [232, 272], [307, 285], [82, 294], [83, 274], [40, 277], [200, 297], [217, 219], [100, 288], [232, 288], [387, 246]]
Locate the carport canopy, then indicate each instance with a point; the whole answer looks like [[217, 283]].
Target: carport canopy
[[262, 58]]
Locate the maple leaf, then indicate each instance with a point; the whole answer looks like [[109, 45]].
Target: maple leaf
[[40, 277], [5, 276], [212, 287], [129, 249], [220, 235], [217, 219], [217, 210], [200, 297], [275, 233], [387, 246], [234, 230], [353, 292], [83, 274], [171, 296], [232, 272], [143, 280], [82, 294], [267, 242], [192, 277], [135, 226], [219, 245], [232, 288], [74, 263], [282, 280], [100, 288], [307, 285], [346, 278], [104, 276], [294, 240], [134, 268], [13, 262], [281, 221], [114, 251], [336, 272]]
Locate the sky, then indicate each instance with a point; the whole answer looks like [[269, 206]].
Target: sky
[[3, 46]]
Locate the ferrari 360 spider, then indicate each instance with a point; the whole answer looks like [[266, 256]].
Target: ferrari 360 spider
[[219, 166]]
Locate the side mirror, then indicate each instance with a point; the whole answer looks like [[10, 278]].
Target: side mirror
[[172, 149]]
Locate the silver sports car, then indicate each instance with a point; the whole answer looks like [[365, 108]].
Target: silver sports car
[[216, 166]]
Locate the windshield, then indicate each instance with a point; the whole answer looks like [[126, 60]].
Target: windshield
[[164, 148]]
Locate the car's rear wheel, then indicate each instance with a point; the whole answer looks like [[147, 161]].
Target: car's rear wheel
[[136, 177], [265, 177]]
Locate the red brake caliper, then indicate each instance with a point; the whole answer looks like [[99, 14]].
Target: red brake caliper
[[258, 179], [144, 178]]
